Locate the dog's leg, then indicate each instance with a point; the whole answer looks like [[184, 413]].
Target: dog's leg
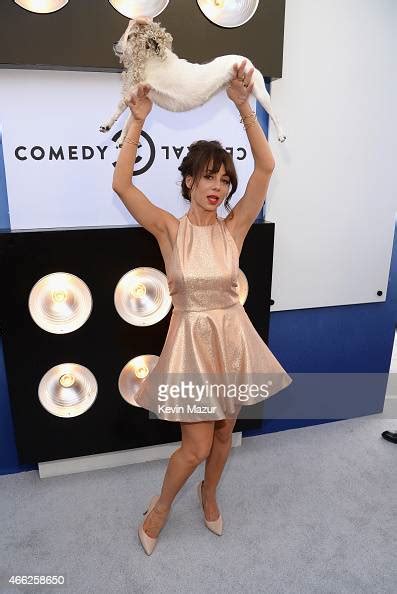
[[260, 92], [124, 131], [121, 107]]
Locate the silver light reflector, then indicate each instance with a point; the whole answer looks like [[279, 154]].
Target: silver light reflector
[[60, 302], [133, 374], [136, 8], [242, 286], [228, 13], [42, 6], [68, 390], [142, 296]]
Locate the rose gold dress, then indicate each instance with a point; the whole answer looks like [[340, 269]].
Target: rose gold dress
[[211, 340]]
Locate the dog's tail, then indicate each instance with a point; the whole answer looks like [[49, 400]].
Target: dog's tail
[[260, 93]]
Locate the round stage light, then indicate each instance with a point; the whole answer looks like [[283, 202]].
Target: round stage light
[[228, 13], [60, 303], [68, 390], [242, 286], [142, 296], [41, 6], [133, 374], [136, 8]]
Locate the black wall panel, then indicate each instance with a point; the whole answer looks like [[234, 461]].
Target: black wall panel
[[105, 343], [80, 35]]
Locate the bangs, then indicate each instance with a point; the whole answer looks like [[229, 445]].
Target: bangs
[[216, 160], [212, 160]]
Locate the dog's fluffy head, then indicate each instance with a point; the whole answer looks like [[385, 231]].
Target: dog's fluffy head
[[142, 39]]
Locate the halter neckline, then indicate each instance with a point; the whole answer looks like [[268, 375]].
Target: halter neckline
[[202, 226]]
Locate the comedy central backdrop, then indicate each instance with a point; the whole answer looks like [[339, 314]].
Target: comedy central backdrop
[[59, 167]]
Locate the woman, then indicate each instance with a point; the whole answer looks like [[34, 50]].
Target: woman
[[209, 330]]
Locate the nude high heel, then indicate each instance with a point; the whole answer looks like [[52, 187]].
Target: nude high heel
[[215, 526], [147, 541]]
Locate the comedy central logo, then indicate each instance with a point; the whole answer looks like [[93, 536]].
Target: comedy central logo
[[146, 153]]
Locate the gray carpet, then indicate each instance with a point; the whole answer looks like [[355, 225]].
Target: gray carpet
[[305, 510]]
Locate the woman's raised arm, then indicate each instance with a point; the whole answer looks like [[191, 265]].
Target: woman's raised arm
[[150, 216], [249, 206]]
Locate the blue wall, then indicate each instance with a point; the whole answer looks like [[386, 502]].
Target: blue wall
[[8, 453], [351, 338]]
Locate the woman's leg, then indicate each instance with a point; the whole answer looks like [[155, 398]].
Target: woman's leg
[[195, 447], [215, 464]]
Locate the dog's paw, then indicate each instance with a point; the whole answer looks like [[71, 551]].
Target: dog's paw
[[104, 128]]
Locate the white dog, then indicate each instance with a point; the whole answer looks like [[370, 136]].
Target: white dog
[[145, 50]]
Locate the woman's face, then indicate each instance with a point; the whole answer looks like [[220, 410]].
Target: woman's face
[[211, 188]]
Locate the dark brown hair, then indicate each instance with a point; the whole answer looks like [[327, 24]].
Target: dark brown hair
[[201, 154]]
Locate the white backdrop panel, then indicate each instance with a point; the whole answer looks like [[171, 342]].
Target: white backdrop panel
[[59, 113], [333, 192]]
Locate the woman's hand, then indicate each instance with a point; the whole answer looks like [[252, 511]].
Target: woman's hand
[[139, 103], [240, 87]]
